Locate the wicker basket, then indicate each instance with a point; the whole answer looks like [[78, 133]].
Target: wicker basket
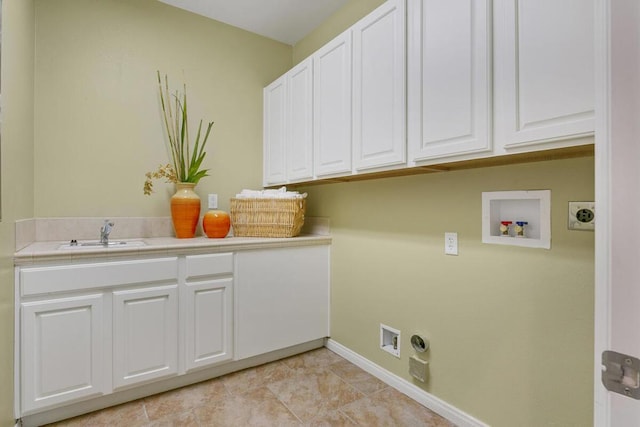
[[267, 217]]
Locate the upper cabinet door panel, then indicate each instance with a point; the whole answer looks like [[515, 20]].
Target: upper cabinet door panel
[[300, 123], [332, 107], [544, 70], [449, 88], [275, 97], [379, 105]]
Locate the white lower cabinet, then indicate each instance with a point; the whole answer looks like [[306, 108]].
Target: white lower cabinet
[[208, 310], [62, 345], [145, 335], [208, 323], [283, 298], [85, 330]]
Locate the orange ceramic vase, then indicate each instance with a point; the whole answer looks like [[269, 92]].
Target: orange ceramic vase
[[185, 210], [216, 223]]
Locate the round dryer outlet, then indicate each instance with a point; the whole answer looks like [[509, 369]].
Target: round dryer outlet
[[582, 216]]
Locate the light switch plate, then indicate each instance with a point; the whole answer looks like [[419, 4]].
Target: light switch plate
[[582, 216]]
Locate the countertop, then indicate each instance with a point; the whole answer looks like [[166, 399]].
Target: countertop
[[48, 251]]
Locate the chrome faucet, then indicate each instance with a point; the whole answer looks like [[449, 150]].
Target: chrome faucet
[[104, 232]]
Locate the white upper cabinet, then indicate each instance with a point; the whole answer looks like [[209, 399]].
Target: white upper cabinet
[[274, 143], [543, 71], [449, 75], [379, 101], [421, 82], [299, 122], [332, 107]]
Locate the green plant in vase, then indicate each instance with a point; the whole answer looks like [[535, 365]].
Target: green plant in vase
[[185, 169], [186, 161]]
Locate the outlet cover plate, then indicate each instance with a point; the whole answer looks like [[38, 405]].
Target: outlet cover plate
[[582, 216], [213, 201], [418, 368], [451, 243]]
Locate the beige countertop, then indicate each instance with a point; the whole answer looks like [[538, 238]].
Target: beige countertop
[[50, 251], [39, 240]]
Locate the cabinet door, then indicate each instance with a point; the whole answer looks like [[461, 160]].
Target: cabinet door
[[299, 153], [61, 351], [379, 123], [332, 107], [544, 71], [448, 78], [145, 334], [283, 298], [209, 321], [274, 143]]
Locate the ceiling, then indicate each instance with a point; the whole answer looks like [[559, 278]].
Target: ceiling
[[287, 21]]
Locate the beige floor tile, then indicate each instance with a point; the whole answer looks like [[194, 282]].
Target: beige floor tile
[[320, 358], [128, 414], [258, 407], [309, 395], [314, 389], [184, 399], [253, 378], [185, 419], [391, 408], [363, 381], [331, 419]]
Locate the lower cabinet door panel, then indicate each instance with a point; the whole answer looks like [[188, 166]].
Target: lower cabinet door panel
[[62, 347], [283, 298], [145, 335], [209, 317]]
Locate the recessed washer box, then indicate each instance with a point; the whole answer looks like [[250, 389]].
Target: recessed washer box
[[532, 207]]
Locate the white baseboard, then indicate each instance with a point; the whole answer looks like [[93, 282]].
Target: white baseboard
[[438, 406]]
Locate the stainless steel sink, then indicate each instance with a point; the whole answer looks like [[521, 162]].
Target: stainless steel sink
[[96, 244]]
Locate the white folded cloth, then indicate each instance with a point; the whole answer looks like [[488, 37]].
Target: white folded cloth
[[280, 193]]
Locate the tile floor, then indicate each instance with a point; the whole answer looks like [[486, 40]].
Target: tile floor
[[317, 388]]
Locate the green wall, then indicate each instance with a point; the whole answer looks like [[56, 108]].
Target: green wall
[[98, 125], [16, 165], [337, 23], [511, 328]]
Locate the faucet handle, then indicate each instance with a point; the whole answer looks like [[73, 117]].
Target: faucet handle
[[105, 230]]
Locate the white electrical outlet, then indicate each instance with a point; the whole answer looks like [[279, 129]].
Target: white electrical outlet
[[213, 201], [451, 243], [582, 216]]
